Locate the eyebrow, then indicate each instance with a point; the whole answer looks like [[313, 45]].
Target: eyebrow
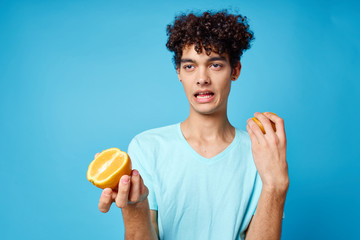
[[220, 58]]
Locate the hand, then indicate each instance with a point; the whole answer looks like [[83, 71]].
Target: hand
[[269, 151], [130, 191]]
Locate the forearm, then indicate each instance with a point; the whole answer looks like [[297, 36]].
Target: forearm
[[266, 223], [137, 222]]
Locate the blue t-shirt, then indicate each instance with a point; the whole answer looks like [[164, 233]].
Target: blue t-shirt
[[196, 197]]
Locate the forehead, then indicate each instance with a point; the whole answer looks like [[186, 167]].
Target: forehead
[[189, 52]]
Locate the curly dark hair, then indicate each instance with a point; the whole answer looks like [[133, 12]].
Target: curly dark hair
[[219, 32]]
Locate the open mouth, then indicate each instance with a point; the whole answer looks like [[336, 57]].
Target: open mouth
[[202, 95]]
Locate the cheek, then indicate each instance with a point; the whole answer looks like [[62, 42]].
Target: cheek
[[226, 86], [187, 90]]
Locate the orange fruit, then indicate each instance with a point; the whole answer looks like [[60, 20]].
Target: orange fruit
[[108, 167], [261, 126]]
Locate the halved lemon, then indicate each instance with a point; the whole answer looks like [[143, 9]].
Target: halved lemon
[[108, 167], [261, 126]]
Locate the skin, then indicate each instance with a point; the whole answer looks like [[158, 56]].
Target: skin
[[208, 130], [131, 197], [269, 153]]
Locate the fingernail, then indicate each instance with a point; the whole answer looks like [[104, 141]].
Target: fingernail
[[107, 192], [125, 179], [135, 172]]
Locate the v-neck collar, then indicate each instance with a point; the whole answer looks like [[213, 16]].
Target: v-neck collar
[[202, 158]]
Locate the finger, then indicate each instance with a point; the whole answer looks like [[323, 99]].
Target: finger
[[256, 131], [251, 134], [265, 121], [279, 124], [135, 188], [96, 155], [105, 200], [144, 191], [122, 197]]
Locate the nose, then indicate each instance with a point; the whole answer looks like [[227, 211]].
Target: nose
[[204, 78]]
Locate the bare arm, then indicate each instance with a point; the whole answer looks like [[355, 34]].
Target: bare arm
[[269, 152], [131, 197], [154, 221], [266, 223], [138, 223]]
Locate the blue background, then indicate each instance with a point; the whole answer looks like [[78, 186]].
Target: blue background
[[78, 77]]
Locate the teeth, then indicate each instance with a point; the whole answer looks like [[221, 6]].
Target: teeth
[[206, 96]]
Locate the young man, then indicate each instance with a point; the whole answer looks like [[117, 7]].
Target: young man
[[203, 178]]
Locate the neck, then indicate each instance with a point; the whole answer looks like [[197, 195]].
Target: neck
[[208, 127]]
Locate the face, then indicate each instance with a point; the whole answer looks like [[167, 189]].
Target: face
[[206, 80]]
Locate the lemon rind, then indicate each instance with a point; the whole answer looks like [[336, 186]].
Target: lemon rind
[[112, 178]]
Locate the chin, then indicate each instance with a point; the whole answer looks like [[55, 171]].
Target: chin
[[206, 110]]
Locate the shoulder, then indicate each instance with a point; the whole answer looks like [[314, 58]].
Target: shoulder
[[156, 135], [243, 147], [243, 137], [151, 143]]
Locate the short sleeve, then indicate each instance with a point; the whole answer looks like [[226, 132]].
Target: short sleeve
[[256, 186], [142, 163], [257, 190]]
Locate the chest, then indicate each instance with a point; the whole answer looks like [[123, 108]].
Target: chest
[[208, 149], [204, 195], [187, 182]]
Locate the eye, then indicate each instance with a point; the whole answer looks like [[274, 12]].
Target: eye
[[216, 66], [188, 67]]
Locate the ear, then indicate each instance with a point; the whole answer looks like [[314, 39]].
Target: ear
[[178, 72], [236, 72]]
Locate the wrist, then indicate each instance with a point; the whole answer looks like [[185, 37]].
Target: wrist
[[137, 221], [278, 189], [139, 207]]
